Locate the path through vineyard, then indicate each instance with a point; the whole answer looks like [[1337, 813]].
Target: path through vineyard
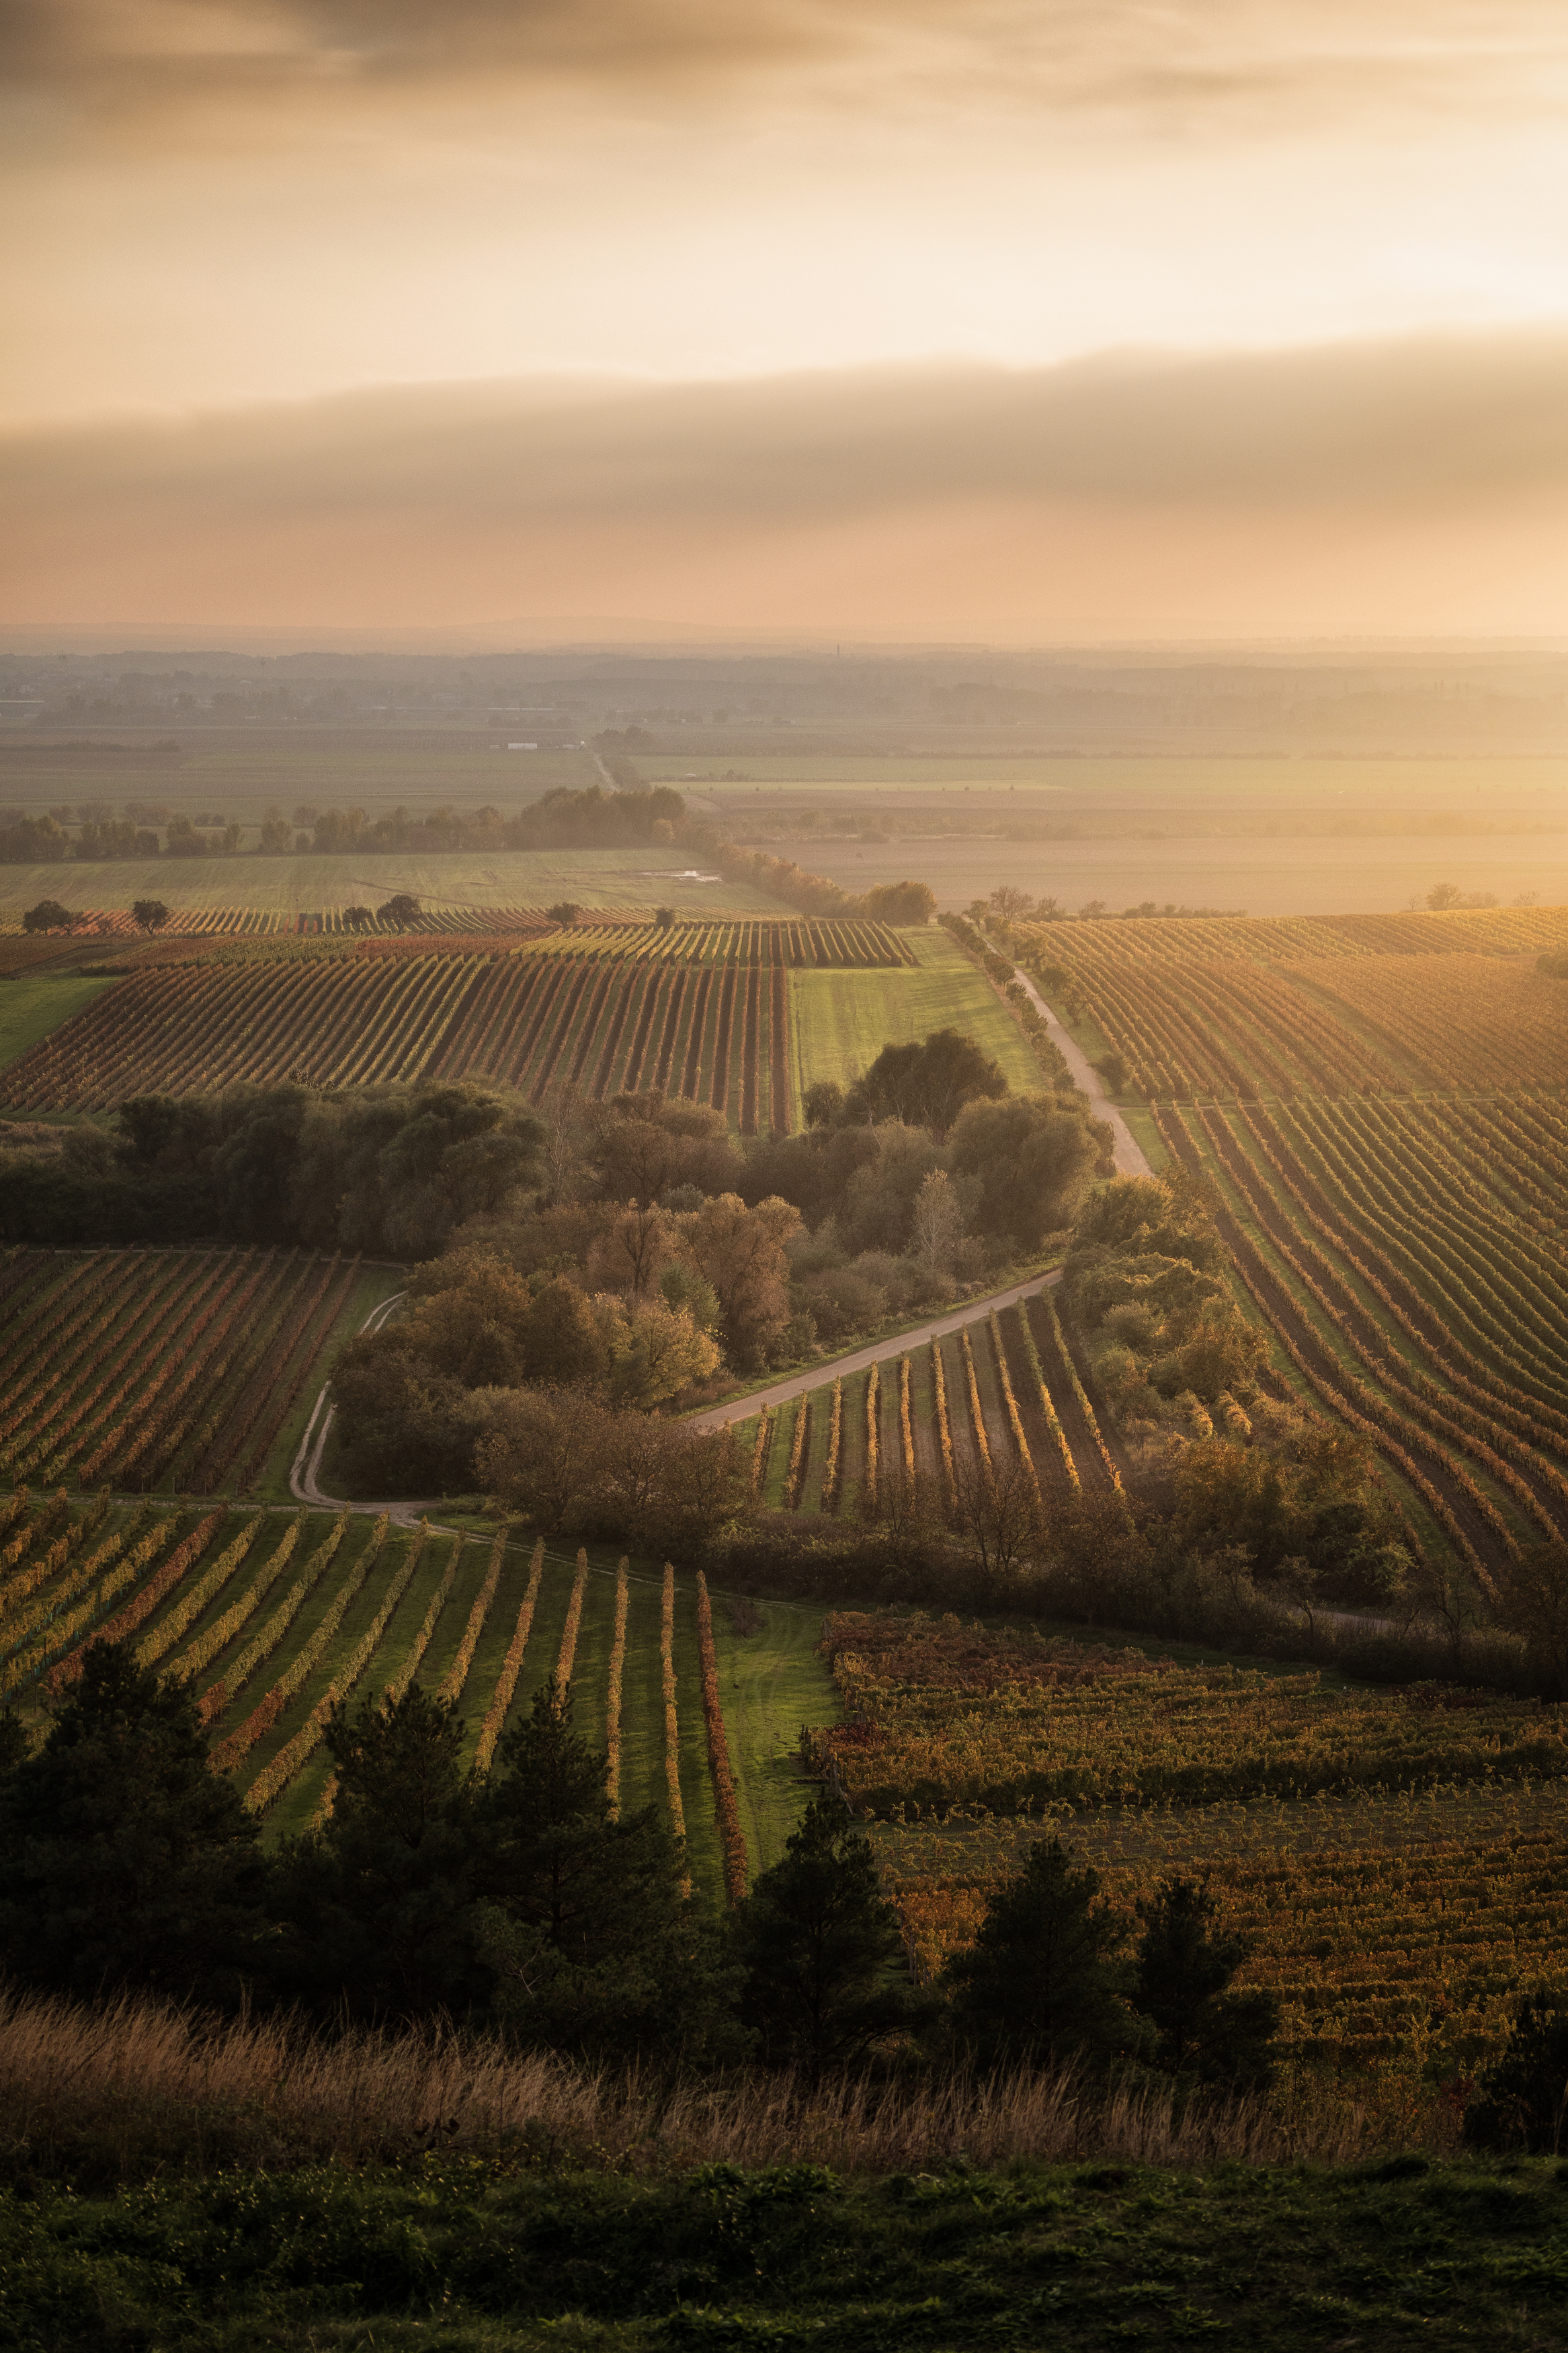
[[1130, 1155], [880, 1352]]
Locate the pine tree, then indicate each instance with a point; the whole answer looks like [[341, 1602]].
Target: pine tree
[[378, 1906], [1184, 1974], [1045, 1977], [124, 1861], [820, 1945], [594, 1945]]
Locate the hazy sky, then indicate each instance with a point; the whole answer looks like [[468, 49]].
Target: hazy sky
[[914, 316]]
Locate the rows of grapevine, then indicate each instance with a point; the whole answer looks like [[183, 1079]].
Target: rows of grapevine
[[274, 1618], [1408, 1299], [1387, 1928], [1136, 940], [1006, 1388], [152, 1368], [1396, 1860], [1469, 1021], [714, 1029]]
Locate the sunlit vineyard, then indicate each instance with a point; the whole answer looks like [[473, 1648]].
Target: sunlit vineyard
[[271, 1617], [165, 1370], [1005, 1387], [701, 1011], [1397, 1858]]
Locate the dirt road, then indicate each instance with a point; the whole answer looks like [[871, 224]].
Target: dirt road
[[879, 1353]]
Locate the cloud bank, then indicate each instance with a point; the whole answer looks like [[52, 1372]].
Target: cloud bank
[[1415, 485]]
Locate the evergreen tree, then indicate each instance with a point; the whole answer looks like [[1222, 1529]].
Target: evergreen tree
[[594, 1945], [1184, 1974], [1044, 1977], [1521, 2099], [378, 1906], [124, 1861], [819, 1944]]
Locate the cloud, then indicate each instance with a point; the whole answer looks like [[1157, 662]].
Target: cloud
[[1247, 63], [1421, 484]]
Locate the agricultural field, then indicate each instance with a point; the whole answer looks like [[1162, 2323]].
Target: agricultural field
[[1400, 1863], [31, 1007], [841, 1031], [704, 1012], [273, 1616], [1401, 1005], [216, 773], [455, 880], [1003, 1387], [166, 1371]]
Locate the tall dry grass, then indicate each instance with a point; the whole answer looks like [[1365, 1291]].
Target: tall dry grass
[[135, 2086]]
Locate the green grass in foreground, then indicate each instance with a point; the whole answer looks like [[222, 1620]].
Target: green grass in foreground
[[463, 2254], [843, 1020], [31, 1007]]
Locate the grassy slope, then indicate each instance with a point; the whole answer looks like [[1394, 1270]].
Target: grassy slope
[[770, 1684], [843, 1020], [452, 2254], [30, 1009], [509, 878]]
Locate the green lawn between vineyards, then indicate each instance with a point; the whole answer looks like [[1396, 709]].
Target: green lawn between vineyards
[[31, 1007], [478, 2257], [843, 1020]]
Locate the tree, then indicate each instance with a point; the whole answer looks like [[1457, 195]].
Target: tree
[[1443, 896], [927, 1084], [358, 919], [938, 1221], [1522, 2098], [1182, 1983], [1044, 1977], [1534, 1603], [49, 915], [128, 1862], [635, 1251], [1011, 906], [740, 1253], [901, 902], [820, 1945], [150, 914], [822, 1104], [377, 1908], [996, 1510], [593, 1946], [400, 910], [664, 917], [1113, 1070], [565, 911], [1027, 1160]]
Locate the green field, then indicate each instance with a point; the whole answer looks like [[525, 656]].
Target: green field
[[843, 1020], [508, 877], [30, 1009]]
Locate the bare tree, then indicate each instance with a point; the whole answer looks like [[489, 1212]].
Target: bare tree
[[997, 1514]]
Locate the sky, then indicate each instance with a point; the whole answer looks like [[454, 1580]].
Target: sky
[[899, 319]]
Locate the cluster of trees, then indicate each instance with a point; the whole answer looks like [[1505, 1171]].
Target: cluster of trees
[[591, 819], [389, 1171], [524, 1901], [815, 894], [1177, 1362]]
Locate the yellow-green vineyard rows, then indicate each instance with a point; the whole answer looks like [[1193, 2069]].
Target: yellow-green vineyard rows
[[271, 1617], [1400, 1863], [1403, 1260], [1006, 1388], [143, 1369], [703, 1014]]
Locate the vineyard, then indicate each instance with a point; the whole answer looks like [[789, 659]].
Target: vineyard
[[1006, 1388], [161, 1370], [1250, 1011], [271, 1617], [701, 1011], [1400, 1863]]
